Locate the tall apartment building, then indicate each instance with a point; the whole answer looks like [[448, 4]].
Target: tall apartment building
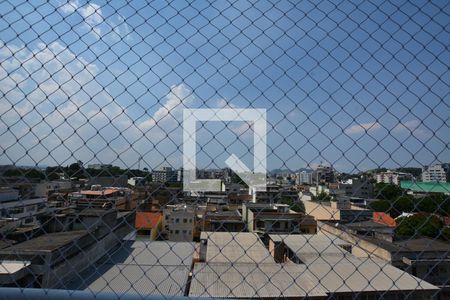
[[305, 177], [166, 174], [392, 177], [323, 174], [436, 173]]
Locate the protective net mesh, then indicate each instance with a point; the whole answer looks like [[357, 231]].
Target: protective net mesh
[[316, 164]]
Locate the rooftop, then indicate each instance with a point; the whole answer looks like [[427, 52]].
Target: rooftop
[[252, 281], [236, 247], [140, 267], [314, 248], [297, 280], [424, 244], [429, 187], [147, 220], [47, 242], [369, 224], [384, 218]]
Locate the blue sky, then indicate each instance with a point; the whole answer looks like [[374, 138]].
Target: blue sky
[[353, 84]]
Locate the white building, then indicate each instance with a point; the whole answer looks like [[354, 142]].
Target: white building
[[20, 212], [304, 177], [436, 173], [179, 221], [392, 177], [137, 181]]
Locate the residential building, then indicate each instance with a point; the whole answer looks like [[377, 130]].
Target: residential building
[[98, 197], [179, 223], [436, 173], [304, 177], [45, 188], [166, 174], [55, 258], [16, 212], [275, 193], [392, 177], [323, 174], [276, 218], [342, 211], [148, 224], [360, 187], [228, 220]]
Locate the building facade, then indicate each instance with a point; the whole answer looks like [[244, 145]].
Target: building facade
[[391, 177], [436, 173]]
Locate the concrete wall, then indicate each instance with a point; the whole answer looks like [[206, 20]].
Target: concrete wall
[[321, 212], [361, 248]]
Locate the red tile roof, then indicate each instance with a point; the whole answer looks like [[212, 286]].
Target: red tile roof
[[147, 220], [105, 192], [384, 218]]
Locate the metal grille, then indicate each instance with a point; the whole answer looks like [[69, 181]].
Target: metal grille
[[318, 163]]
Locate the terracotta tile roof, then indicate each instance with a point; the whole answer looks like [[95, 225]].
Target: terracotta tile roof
[[147, 220], [384, 218], [99, 193]]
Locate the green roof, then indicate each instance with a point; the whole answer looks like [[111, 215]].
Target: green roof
[[433, 187]]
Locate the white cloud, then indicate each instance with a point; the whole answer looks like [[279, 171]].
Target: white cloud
[[57, 105], [70, 7], [242, 129], [412, 127], [362, 128], [222, 103], [171, 110], [91, 13], [114, 26]]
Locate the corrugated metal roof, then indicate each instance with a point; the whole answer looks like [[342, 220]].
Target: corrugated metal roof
[[299, 280], [142, 280], [152, 253], [314, 248], [141, 267], [365, 275], [252, 281], [236, 247]]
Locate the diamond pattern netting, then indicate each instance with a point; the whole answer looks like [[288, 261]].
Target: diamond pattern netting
[[92, 95]]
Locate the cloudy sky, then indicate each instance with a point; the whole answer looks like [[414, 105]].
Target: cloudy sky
[[353, 85]]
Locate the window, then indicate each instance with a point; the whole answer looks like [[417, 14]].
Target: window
[[184, 220], [177, 232]]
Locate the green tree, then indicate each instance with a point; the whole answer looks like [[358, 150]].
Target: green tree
[[322, 197], [402, 204], [419, 225], [380, 205], [296, 206], [387, 191]]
